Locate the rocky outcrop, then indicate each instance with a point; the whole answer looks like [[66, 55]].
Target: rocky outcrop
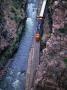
[[51, 73], [12, 19]]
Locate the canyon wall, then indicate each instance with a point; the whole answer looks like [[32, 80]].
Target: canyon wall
[[51, 73], [12, 22]]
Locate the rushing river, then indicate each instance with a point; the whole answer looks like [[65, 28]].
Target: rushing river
[[16, 74]]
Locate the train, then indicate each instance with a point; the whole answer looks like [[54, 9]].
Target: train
[[40, 21]]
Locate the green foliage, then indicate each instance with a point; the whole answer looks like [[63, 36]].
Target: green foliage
[[17, 3], [65, 60], [17, 14], [15, 8], [63, 30], [17, 18]]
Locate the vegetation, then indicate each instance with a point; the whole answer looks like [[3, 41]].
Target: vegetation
[[63, 30], [17, 10], [11, 35], [65, 60]]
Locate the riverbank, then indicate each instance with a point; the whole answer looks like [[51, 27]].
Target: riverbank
[[13, 17], [16, 73], [51, 73]]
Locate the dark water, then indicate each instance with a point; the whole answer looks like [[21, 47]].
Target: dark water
[[15, 78]]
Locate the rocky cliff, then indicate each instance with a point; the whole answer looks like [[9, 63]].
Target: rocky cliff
[[12, 20], [51, 73]]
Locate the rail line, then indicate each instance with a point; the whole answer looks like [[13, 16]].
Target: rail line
[[34, 54]]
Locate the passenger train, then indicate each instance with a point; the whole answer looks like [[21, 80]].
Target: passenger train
[[40, 20]]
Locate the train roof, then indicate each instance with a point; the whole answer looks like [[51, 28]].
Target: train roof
[[42, 8]]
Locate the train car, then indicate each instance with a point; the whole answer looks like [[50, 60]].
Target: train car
[[40, 20]]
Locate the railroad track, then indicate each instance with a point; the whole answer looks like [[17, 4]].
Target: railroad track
[[34, 54]]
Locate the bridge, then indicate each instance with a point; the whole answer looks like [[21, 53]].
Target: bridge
[[34, 54]]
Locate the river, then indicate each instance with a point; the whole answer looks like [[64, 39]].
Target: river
[[16, 74]]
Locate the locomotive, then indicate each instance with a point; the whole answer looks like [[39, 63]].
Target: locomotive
[[40, 21]]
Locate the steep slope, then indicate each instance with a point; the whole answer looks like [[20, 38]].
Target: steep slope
[[51, 73], [12, 20]]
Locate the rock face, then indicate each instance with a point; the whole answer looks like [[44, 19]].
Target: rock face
[[12, 18], [51, 73]]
